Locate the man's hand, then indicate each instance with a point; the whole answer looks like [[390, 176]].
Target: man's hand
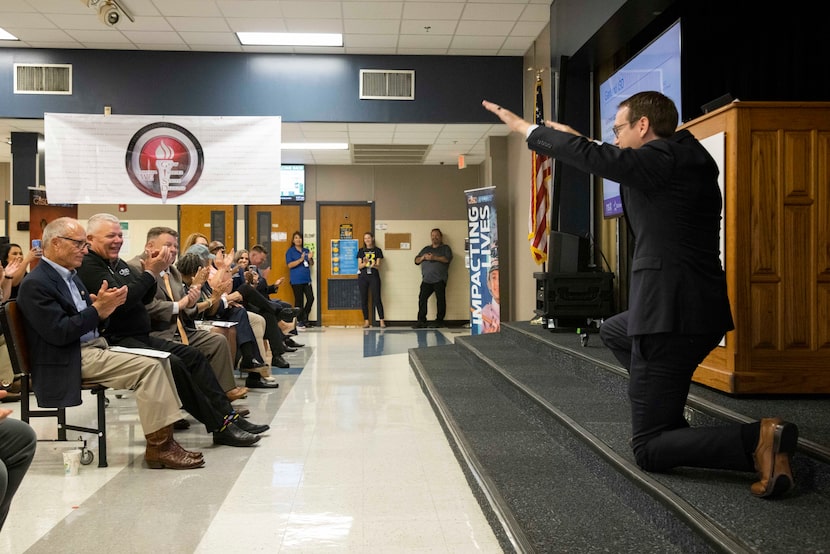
[[158, 261], [512, 120], [193, 294], [108, 299], [224, 260]]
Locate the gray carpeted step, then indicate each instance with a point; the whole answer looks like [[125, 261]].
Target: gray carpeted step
[[558, 492], [565, 419]]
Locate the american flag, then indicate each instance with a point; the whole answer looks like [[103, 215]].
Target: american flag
[[538, 228]]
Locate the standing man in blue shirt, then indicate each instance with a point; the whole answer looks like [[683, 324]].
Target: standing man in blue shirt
[[434, 260]]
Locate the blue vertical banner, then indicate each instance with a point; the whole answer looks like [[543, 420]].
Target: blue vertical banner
[[483, 238]]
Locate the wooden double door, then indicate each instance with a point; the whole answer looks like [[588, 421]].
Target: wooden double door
[[337, 300], [269, 225]]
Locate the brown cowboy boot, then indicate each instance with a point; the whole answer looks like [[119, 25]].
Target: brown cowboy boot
[[162, 451], [180, 450]]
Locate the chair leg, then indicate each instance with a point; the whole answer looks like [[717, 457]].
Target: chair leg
[[102, 428], [60, 415]]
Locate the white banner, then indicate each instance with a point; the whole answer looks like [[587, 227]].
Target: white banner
[[124, 159]]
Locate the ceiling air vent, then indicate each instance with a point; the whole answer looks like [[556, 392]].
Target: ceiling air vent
[[389, 154], [387, 84], [42, 78]]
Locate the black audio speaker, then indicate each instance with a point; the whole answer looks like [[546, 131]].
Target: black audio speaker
[[22, 225]]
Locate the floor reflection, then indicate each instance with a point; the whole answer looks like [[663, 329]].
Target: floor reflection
[[381, 342]]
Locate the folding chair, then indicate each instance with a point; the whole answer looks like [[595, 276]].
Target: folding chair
[[15, 334]]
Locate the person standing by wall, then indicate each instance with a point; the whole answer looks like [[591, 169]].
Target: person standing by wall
[[369, 258], [299, 260], [434, 260]]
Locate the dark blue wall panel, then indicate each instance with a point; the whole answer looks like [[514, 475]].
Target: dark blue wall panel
[[319, 88]]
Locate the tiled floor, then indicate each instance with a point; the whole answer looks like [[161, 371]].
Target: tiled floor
[[355, 461]]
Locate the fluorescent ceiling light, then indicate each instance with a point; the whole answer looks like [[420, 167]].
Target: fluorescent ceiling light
[[290, 39], [5, 35], [314, 146]]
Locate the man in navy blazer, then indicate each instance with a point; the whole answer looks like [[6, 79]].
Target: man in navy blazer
[[678, 305], [62, 321]]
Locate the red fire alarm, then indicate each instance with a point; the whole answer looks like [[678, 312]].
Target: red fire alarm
[[122, 207]]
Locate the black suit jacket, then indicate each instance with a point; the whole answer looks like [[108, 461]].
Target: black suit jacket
[[54, 327], [131, 318], [673, 203]]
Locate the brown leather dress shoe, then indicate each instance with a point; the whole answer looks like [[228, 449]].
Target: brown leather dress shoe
[[776, 445], [236, 393]]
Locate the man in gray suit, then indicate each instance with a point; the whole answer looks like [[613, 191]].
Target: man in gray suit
[[171, 299], [678, 306]]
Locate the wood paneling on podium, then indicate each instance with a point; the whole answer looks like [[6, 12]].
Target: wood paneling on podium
[[777, 247]]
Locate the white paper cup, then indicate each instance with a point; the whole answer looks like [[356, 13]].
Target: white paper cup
[[72, 462]]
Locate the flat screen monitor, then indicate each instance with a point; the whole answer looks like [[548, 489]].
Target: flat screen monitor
[[655, 67], [292, 182]]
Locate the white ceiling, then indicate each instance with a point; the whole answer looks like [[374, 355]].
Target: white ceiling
[[407, 27]]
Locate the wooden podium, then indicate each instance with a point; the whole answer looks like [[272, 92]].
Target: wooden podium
[[776, 228]]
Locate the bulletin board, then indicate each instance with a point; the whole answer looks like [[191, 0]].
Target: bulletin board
[[397, 241]]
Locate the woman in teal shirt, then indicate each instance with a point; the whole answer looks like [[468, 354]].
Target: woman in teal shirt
[[299, 260]]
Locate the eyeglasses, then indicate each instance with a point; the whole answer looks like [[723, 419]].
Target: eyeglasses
[[79, 244], [618, 128]]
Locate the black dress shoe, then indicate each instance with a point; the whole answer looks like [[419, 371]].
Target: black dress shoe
[[289, 349], [234, 436], [292, 343], [181, 425], [252, 428], [288, 314], [420, 325], [11, 397], [251, 364], [256, 382], [279, 361]]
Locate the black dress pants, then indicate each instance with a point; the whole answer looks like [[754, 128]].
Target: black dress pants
[[660, 368], [440, 290], [303, 299], [268, 309], [201, 395]]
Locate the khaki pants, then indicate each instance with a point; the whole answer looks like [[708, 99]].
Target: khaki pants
[[6, 371], [258, 326], [155, 391]]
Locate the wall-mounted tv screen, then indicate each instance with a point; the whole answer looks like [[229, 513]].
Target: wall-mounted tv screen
[[292, 182], [655, 67]]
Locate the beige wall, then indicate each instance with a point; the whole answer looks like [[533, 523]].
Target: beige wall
[[408, 199], [434, 194]]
